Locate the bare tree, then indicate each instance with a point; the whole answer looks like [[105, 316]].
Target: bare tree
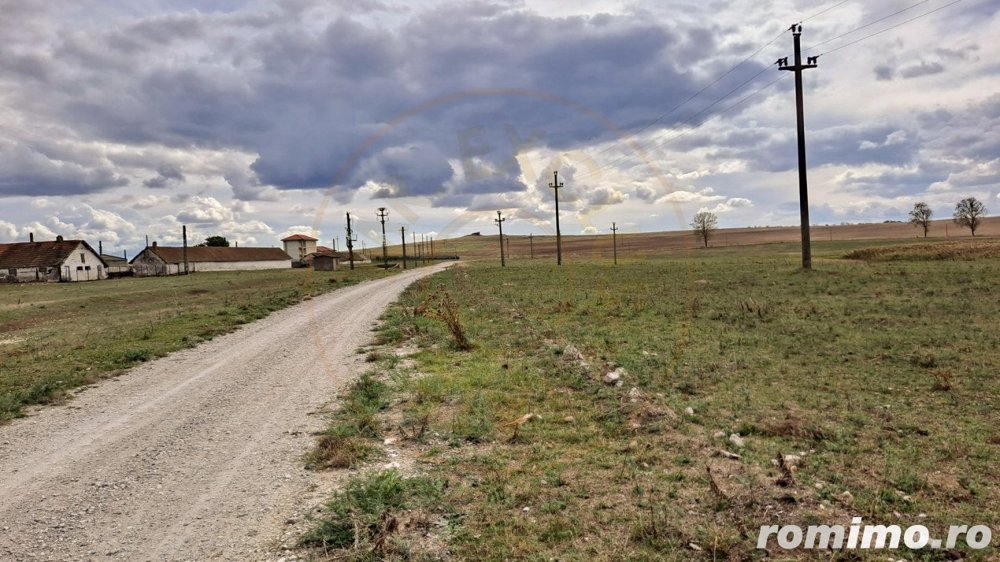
[[921, 216], [703, 225], [969, 213]]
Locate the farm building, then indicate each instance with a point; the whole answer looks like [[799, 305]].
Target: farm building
[[164, 260], [57, 260], [325, 262], [339, 257], [117, 266], [299, 246]]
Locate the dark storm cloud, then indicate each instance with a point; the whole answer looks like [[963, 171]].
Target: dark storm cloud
[[304, 95], [26, 170]]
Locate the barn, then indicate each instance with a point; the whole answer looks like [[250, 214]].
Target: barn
[[167, 260], [57, 260]]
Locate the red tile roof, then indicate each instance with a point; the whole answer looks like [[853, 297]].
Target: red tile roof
[[198, 254], [296, 237], [39, 254]]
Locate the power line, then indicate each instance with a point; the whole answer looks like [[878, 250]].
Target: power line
[[665, 114], [686, 121], [729, 108], [869, 24], [661, 116], [890, 28], [821, 12]]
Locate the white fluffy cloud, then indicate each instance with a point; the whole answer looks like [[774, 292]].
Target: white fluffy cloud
[[205, 210]]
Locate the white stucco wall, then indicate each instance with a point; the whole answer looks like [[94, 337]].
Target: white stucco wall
[[78, 262], [238, 265], [299, 249]]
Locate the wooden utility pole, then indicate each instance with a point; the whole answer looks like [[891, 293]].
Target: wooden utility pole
[[184, 235], [614, 240], [797, 68], [499, 222], [556, 186], [531, 246], [381, 214], [402, 235], [351, 239]]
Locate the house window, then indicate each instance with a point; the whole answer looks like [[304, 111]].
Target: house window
[[79, 268], [83, 257], [87, 268]]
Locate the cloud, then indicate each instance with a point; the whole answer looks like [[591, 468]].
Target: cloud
[[728, 205], [924, 68], [205, 211], [170, 114], [165, 174], [149, 201], [247, 187], [884, 72], [300, 229], [26, 170], [603, 196], [8, 231], [681, 196]]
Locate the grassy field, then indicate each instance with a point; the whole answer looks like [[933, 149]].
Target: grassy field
[[677, 243], [751, 393], [54, 337]]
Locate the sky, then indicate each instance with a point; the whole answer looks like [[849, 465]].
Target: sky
[[257, 119]]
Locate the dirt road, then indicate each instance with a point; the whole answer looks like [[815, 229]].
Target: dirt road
[[195, 456]]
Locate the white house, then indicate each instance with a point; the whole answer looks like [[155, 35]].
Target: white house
[[58, 260], [163, 260], [299, 246]]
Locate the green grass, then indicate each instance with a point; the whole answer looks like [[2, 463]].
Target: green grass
[[344, 444], [55, 337], [883, 374], [362, 517]]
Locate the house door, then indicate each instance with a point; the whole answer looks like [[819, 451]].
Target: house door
[[66, 276]]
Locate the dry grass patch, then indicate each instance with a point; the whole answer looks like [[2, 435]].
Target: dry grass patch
[[957, 250]]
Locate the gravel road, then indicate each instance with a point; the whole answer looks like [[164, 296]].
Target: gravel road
[[195, 456]]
